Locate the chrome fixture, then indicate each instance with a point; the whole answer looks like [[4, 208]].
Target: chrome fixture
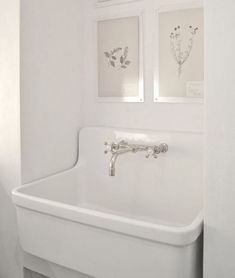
[[122, 147]]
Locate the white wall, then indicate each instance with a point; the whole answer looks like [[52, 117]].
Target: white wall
[[51, 80], [220, 151], [9, 136], [135, 115]]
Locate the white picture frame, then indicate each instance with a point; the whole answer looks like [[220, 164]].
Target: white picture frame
[[196, 86], [137, 94], [108, 3]]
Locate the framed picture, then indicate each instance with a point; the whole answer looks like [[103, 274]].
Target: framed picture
[[179, 63], [120, 58]]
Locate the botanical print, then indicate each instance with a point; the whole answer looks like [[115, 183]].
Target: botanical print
[[181, 54], [177, 52], [117, 57]]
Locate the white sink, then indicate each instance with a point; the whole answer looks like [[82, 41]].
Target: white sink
[[144, 222]]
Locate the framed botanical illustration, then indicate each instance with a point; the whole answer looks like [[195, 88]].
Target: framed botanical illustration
[[179, 63], [120, 58]]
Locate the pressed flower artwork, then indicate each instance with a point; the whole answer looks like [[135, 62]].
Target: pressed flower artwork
[[119, 58], [181, 53]]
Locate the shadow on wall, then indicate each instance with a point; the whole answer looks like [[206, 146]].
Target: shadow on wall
[[30, 274], [9, 247]]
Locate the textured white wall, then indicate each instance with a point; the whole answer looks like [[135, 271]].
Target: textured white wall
[[50, 85], [220, 151], [9, 136], [135, 115]]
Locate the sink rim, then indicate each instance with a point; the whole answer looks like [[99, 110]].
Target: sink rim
[[170, 234]]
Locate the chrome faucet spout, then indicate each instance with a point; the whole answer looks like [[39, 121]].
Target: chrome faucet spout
[[112, 163]]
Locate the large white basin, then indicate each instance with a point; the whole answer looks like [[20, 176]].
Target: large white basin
[[144, 222]]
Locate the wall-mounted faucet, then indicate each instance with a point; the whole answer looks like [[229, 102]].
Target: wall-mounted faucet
[[122, 147]]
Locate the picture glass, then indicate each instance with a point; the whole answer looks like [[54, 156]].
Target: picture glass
[[181, 53], [118, 58]]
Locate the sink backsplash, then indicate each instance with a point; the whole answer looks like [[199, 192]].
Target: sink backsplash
[[174, 175]]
